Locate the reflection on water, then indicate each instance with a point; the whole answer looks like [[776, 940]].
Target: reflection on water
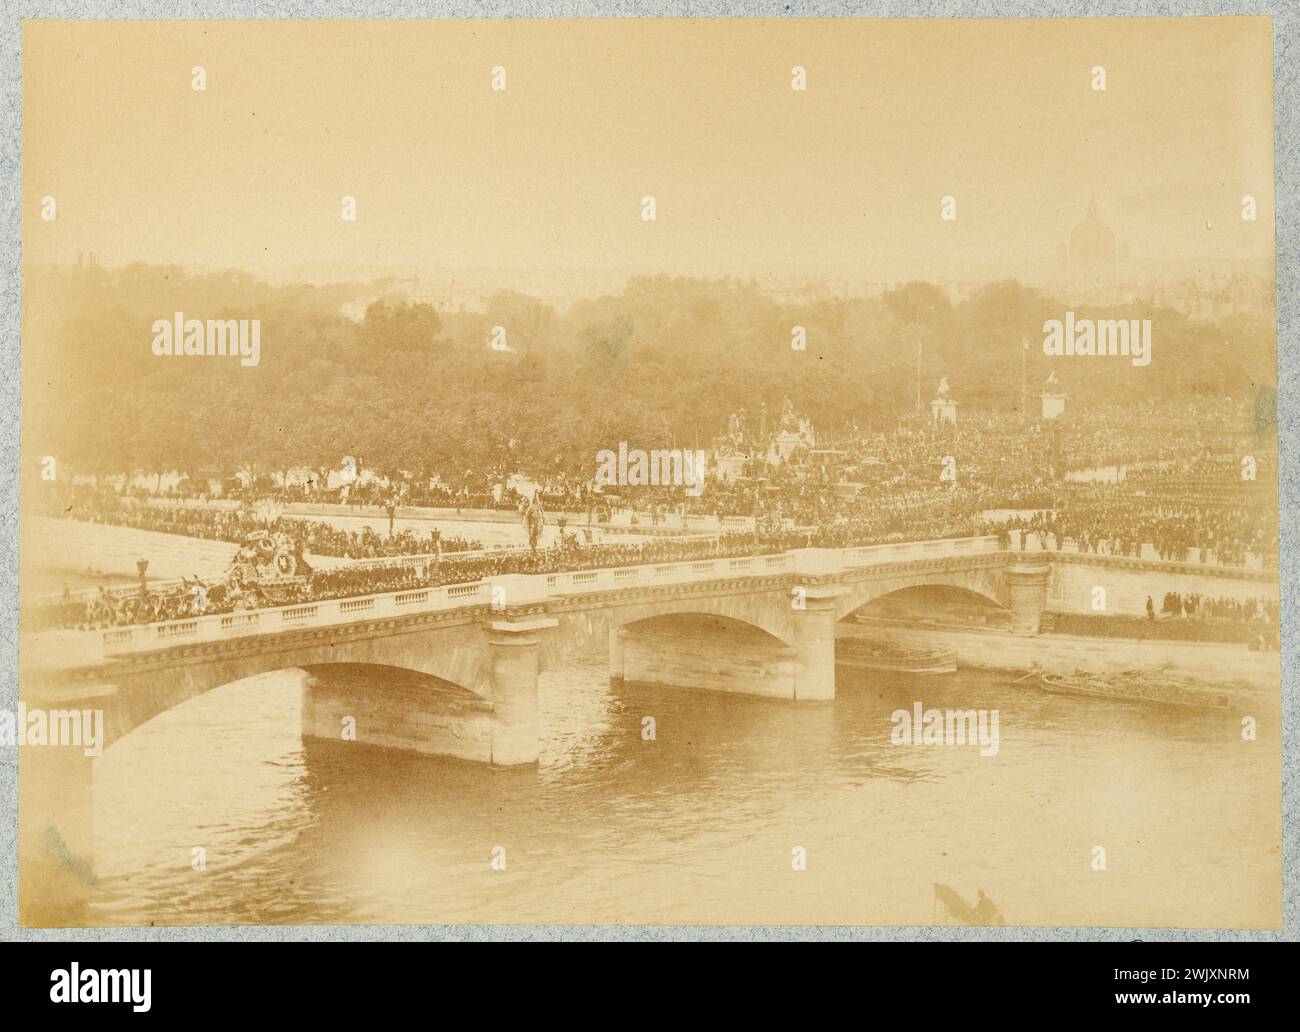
[[698, 825]]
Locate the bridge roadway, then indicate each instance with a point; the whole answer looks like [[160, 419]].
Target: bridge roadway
[[453, 670], [81, 649]]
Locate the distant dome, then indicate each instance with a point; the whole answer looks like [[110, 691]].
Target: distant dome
[[1092, 243]]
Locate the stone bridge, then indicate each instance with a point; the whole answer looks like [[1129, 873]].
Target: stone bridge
[[453, 670], [485, 641]]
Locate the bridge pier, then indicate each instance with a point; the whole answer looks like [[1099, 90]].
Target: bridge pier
[[1027, 591], [495, 724], [814, 643], [56, 813], [516, 662], [617, 654]]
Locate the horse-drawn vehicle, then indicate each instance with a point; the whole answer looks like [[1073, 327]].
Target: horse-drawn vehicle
[[271, 566]]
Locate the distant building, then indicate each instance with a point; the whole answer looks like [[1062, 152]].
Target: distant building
[[1093, 265]]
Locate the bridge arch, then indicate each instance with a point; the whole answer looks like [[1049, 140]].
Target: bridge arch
[[688, 622], [134, 702], [133, 691], [920, 597], [986, 583], [344, 671], [768, 612], [758, 644]]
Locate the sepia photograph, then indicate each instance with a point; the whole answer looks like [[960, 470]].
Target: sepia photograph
[[648, 472]]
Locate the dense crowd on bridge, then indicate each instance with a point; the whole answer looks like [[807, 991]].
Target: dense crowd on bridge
[[1106, 527], [1185, 496], [196, 598], [569, 554]]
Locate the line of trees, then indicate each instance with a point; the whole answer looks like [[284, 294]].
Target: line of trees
[[661, 364]]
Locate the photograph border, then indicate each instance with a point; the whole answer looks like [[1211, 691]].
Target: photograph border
[[1286, 100]]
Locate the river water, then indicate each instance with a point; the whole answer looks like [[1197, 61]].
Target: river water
[[700, 824]]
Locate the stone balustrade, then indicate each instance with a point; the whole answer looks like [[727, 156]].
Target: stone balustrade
[[515, 589]]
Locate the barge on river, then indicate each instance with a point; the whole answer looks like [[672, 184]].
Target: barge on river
[[1145, 686]]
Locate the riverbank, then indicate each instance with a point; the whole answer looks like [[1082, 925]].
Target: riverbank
[[1066, 653]]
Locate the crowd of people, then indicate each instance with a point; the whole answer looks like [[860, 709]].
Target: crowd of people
[[1254, 620], [197, 598], [1160, 432], [573, 552], [1195, 606], [105, 609], [323, 539], [1121, 522], [490, 489], [237, 525], [1194, 491]]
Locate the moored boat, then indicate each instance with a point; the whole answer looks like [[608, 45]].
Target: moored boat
[[1139, 686], [865, 654]]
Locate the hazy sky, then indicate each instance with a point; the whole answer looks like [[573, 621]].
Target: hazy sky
[[748, 175]]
